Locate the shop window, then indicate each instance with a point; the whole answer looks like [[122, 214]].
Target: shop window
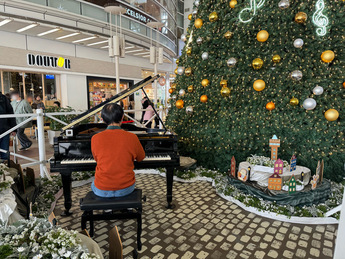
[[50, 87], [33, 86], [13, 81]]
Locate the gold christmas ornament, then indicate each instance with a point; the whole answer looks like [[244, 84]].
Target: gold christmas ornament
[[270, 106], [344, 85], [259, 85], [228, 35], [203, 98], [331, 115], [213, 17], [198, 23], [179, 104], [190, 89], [189, 51], [223, 83], [188, 71], [276, 58], [169, 100], [177, 61], [257, 63], [190, 16], [294, 101], [173, 86], [301, 17], [262, 36], [175, 71], [327, 56], [171, 90], [205, 82], [233, 3], [225, 91]]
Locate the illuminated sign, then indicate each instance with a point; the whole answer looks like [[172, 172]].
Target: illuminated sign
[[251, 10], [48, 61], [319, 19]]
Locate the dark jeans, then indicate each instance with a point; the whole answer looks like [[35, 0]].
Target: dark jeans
[[23, 139], [4, 144]]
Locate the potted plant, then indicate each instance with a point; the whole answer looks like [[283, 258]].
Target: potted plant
[[55, 126]]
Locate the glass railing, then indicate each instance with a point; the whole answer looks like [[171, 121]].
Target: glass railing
[[98, 13]]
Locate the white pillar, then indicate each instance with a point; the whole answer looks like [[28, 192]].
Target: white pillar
[[155, 84], [41, 142], [339, 250], [117, 73]]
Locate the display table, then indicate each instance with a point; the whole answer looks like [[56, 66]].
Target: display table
[[8, 204], [260, 174]]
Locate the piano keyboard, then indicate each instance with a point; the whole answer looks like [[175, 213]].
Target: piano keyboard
[[158, 157]]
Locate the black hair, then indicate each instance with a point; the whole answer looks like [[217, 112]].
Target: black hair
[[57, 103], [112, 113]]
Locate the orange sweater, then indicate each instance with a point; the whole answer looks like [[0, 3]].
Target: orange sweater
[[115, 151]]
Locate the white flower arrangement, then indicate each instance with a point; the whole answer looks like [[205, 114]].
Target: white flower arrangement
[[264, 161], [37, 238], [7, 183]]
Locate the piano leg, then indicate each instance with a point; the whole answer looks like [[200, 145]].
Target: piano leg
[[67, 192], [169, 180]]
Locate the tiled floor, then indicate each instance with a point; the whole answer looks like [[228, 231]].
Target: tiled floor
[[203, 225]]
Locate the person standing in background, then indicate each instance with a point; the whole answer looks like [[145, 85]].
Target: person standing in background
[[39, 103], [5, 125], [148, 115], [21, 106], [145, 104]]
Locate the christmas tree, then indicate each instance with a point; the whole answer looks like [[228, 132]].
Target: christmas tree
[[253, 69]]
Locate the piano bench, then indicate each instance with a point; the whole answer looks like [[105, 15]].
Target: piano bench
[[92, 203]]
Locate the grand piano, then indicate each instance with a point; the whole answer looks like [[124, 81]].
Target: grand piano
[[72, 150]]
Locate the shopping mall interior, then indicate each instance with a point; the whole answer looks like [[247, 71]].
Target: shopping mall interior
[[172, 129]]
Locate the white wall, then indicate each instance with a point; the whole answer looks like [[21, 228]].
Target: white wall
[[74, 91]]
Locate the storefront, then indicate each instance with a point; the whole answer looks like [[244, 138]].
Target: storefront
[[30, 85]]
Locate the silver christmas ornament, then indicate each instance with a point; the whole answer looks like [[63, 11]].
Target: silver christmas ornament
[[296, 75], [318, 90], [169, 105], [182, 92], [199, 40], [183, 37], [309, 104], [298, 43], [189, 109], [197, 2], [180, 70], [204, 56], [173, 97], [283, 4], [194, 12], [231, 62]]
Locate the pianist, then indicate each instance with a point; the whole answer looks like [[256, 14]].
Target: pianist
[[115, 151]]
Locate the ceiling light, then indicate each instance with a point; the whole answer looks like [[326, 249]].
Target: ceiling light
[[3, 22], [85, 39], [98, 42], [48, 32], [68, 35], [27, 27], [136, 50]]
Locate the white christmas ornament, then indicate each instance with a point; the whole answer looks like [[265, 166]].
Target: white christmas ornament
[[182, 92], [197, 2], [283, 4], [298, 43], [309, 104], [199, 40], [180, 70], [173, 97], [189, 109], [169, 105], [231, 62], [204, 56], [296, 75], [183, 37], [318, 90]]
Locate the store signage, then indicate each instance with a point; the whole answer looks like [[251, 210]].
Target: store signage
[[134, 13], [48, 61]]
